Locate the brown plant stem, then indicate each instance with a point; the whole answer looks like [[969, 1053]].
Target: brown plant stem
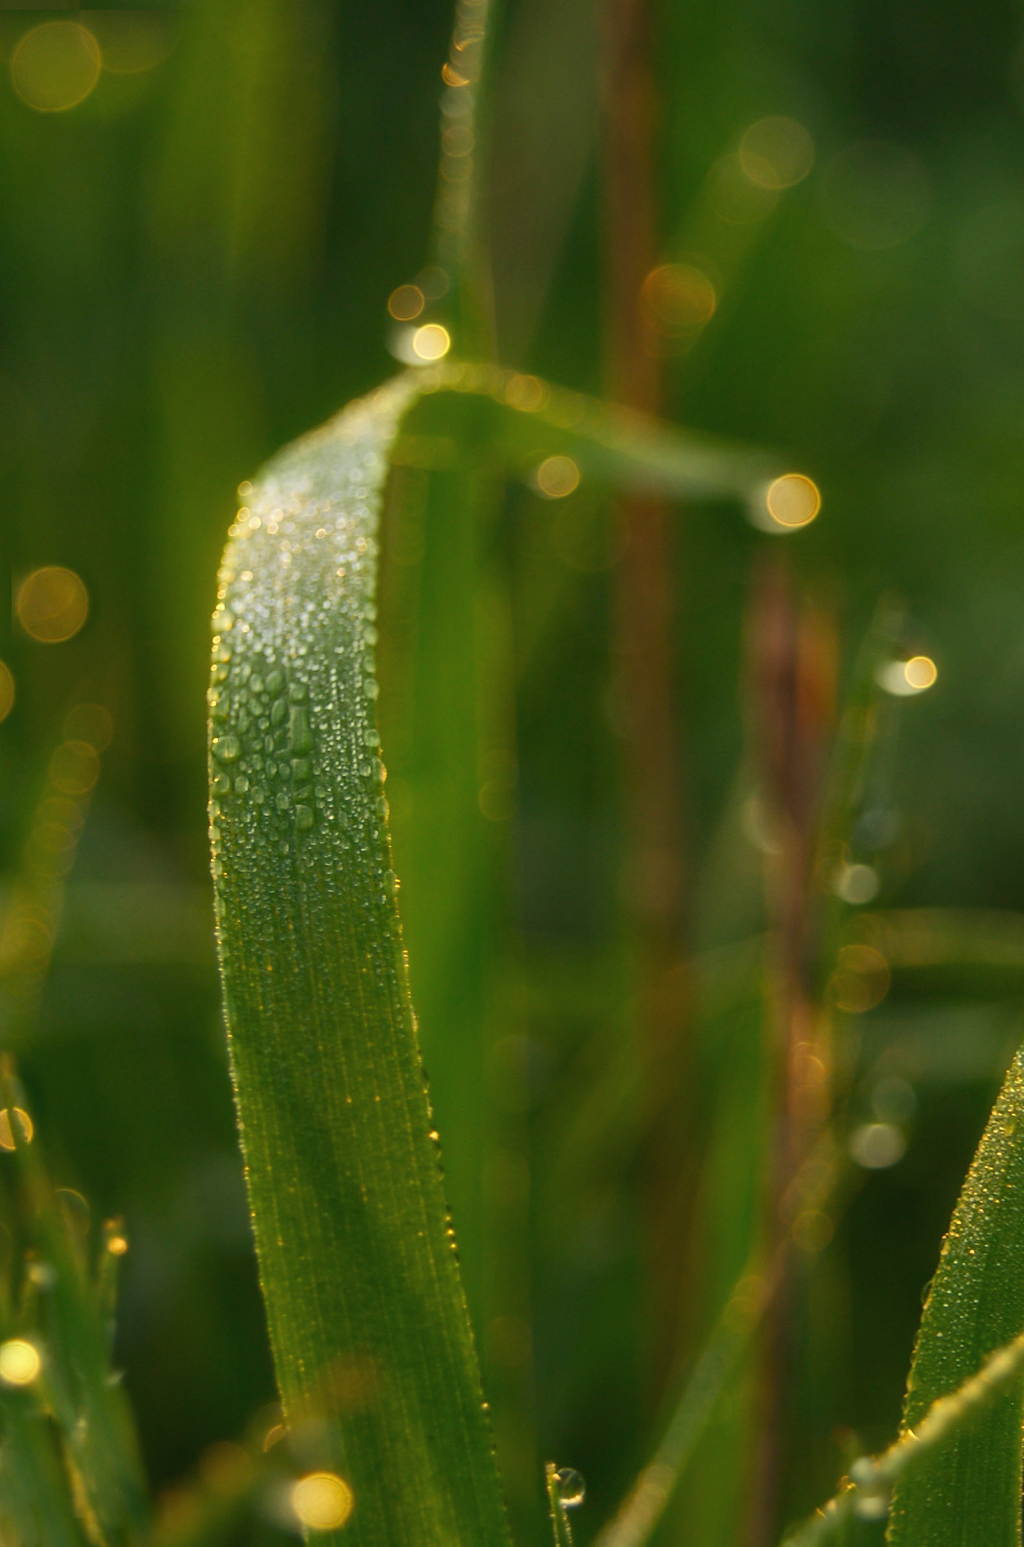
[[792, 684], [644, 605]]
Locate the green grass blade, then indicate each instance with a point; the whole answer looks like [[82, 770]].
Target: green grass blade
[[970, 1492], [367, 1317]]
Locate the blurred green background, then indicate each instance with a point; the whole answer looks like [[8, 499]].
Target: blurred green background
[[195, 263]]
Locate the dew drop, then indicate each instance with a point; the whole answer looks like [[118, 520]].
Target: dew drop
[[283, 800], [298, 692], [303, 818], [226, 748], [275, 682], [279, 712], [300, 770], [221, 784], [570, 1487], [241, 784]]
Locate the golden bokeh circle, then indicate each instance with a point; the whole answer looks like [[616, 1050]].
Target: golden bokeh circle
[[431, 342], [52, 604], [406, 302], [74, 768], [22, 1125], [921, 672], [322, 1501], [557, 477], [679, 299], [793, 500], [55, 66], [19, 1362], [776, 153]]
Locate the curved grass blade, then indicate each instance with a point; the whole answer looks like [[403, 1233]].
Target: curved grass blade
[[367, 1315], [367, 1318], [971, 1491]]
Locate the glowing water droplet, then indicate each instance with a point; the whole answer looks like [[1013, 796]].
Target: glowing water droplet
[[241, 784], [221, 784], [570, 1488], [226, 748], [256, 685], [283, 801], [298, 692]]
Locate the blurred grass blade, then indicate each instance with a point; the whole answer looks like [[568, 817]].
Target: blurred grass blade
[[613, 445], [865, 1495], [972, 1488], [640, 1513], [367, 1317]]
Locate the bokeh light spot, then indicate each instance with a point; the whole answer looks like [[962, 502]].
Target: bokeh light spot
[[74, 768], [19, 1362], [6, 691], [55, 66], [776, 153], [876, 1146], [793, 500], [905, 679], [406, 302], [22, 1125], [556, 477], [52, 604], [527, 393], [90, 723], [679, 299], [860, 981], [322, 1501], [856, 884], [431, 342], [920, 672]]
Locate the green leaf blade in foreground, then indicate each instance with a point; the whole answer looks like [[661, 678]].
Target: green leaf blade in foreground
[[968, 1492], [368, 1324]]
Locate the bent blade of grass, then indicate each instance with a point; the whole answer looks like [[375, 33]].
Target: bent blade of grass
[[366, 1311], [971, 1491], [367, 1318]]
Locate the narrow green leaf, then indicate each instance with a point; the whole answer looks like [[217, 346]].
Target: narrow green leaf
[[367, 1318], [970, 1491], [380, 1387]]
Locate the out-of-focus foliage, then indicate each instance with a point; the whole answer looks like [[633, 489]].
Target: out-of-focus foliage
[[202, 215]]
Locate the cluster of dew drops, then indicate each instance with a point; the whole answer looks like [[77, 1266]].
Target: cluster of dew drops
[[294, 746]]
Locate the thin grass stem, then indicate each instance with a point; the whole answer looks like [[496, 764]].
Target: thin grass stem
[[865, 1493]]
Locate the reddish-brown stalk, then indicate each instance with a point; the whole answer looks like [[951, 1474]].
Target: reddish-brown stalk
[[643, 643], [792, 672]]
